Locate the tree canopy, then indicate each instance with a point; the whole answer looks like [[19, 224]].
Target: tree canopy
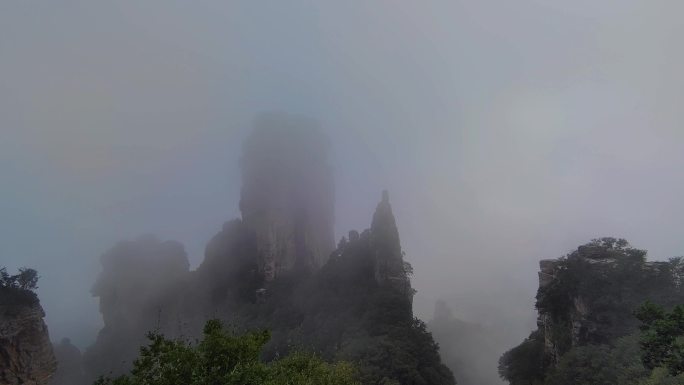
[[662, 337], [27, 279], [222, 358]]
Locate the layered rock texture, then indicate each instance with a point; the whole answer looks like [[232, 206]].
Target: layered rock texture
[[26, 355]]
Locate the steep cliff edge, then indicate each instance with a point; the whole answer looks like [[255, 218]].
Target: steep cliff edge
[[589, 296], [588, 299], [390, 268], [26, 355], [287, 195]]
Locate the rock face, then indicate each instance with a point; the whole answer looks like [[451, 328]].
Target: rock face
[[588, 296], [587, 299], [548, 269], [138, 289], [390, 268], [578, 323], [288, 194], [26, 355]]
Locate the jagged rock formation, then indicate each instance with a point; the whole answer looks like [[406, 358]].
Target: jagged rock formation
[[588, 298], [26, 355], [276, 268], [349, 310], [288, 194], [390, 268]]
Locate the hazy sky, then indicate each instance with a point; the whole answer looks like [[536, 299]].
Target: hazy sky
[[506, 131]]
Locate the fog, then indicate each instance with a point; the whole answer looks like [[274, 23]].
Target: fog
[[506, 132]]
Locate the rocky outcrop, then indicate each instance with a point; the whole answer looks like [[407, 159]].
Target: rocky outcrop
[[275, 268], [586, 302], [287, 204], [576, 315], [139, 290], [390, 268], [26, 355], [288, 194], [589, 295]]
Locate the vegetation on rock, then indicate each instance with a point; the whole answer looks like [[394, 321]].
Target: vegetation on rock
[[19, 288], [26, 355], [356, 308], [222, 358], [588, 331]]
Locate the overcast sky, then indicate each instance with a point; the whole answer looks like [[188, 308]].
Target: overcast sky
[[506, 131]]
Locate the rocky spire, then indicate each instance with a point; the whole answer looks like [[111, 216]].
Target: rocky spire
[[287, 194], [390, 267]]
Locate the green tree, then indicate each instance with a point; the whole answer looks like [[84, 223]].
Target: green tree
[[222, 358], [524, 364], [618, 364], [662, 338], [27, 279], [7, 280], [661, 376]]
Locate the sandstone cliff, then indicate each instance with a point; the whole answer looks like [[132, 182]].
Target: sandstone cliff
[[586, 303], [288, 194], [589, 295], [26, 355]]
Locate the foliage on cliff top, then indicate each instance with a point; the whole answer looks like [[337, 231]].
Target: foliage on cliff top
[[27, 279], [610, 279], [18, 289], [589, 322]]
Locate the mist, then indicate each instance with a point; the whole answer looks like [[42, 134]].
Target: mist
[[505, 132]]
